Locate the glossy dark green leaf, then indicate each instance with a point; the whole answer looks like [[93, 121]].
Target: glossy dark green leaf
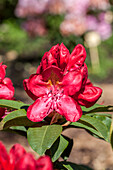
[[42, 138], [11, 104], [87, 126], [93, 125], [100, 114], [58, 148], [97, 108], [17, 118], [111, 140], [71, 166], [98, 125], [20, 130], [14, 114], [111, 133], [65, 155], [20, 121], [107, 122]]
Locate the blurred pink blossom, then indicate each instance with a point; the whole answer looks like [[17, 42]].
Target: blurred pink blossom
[[100, 4], [99, 25], [77, 7], [35, 27], [92, 22], [77, 19], [73, 25], [56, 7], [105, 30], [27, 8]]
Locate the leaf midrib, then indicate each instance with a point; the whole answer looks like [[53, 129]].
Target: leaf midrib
[[96, 128], [44, 136]]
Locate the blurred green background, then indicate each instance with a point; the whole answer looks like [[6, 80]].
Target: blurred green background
[[23, 52]]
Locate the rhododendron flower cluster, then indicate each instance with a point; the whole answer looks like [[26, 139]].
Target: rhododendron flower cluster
[[61, 85], [6, 87], [19, 159]]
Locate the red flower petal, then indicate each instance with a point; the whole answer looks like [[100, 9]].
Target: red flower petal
[[39, 69], [64, 56], [55, 52], [39, 109], [3, 152], [84, 72], [26, 88], [4, 158], [27, 162], [16, 152], [18, 159], [72, 82], [6, 92], [44, 163], [90, 95], [2, 71], [69, 108], [76, 58], [50, 58], [7, 81], [35, 86], [52, 73]]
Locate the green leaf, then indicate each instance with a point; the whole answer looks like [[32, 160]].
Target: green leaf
[[67, 151], [97, 108], [111, 134], [99, 114], [97, 124], [58, 147], [22, 128], [16, 118], [11, 116], [94, 125], [20, 121], [11, 104], [14, 114], [111, 140], [42, 138], [71, 166], [87, 126], [107, 122]]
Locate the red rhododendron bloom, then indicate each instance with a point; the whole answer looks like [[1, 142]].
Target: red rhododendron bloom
[[19, 159], [6, 87], [60, 85]]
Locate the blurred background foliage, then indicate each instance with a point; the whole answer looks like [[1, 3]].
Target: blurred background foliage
[[26, 34]]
